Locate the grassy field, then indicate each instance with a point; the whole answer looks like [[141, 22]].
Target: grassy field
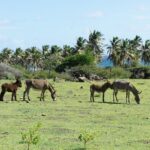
[[116, 126]]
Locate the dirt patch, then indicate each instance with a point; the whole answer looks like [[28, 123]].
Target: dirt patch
[[144, 141], [63, 130]]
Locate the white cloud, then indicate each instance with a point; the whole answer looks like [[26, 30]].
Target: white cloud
[[96, 14], [143, 8], [4, 23], [142, 17]]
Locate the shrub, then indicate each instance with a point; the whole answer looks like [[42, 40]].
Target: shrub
[[65, 76], [86, 136], [40, 75], [53, 74], [31, 136], [117, 72], [76, 60], [87, 70]]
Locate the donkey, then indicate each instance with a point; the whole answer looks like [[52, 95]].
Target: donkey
[[98, 88], [127, 87], [10, 87], [39, 84]]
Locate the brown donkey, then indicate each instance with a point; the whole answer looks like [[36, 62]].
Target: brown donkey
[[39, 84], [98, 88], [10, 87]]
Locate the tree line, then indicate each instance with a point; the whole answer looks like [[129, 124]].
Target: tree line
[[122, 53]]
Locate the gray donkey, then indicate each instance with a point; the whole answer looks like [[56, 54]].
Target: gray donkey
[[127, 87]]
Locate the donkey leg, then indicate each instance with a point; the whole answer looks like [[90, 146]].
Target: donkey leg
[[116, 92], [92, 97], [103, 97], [28, 90], [2, 96], [15, 95], [44, 95], [12, 96], [129, 97], [41, 97], [24, 94], [126, 97], [113, 96]]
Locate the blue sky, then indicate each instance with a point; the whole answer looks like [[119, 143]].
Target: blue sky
[[39, 22]]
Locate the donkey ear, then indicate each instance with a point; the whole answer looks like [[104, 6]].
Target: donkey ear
[[17, 77], [108, 81], [140, 92]]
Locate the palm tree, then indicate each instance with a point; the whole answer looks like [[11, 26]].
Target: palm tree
[[36, 56], [135, 49], [6, 54], [80, 45], [146, 52], [27, 58], [95, 44], [55, 49], [45, 50], [18, 56], [67, 50], [114, 51]]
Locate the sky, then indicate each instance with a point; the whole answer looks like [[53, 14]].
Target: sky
[[58, 22]]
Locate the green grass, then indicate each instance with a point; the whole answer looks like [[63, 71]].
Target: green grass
[[117, 126]]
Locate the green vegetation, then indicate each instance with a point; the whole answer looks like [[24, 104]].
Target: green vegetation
[[117, 126], [31, 137], [40, 62], [86, 136]]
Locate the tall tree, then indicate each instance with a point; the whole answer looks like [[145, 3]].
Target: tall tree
[[6, 55], [45, 50], [95, 43], [146, 52], [114, 51], [80, 45], [36, 57], [18, 56], [67, 50], [135, 49]]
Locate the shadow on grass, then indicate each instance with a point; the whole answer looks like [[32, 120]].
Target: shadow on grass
[[110, 102], [79, 149], [106, 102]]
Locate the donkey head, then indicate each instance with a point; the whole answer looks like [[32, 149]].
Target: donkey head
[[18, 82], [137, 98], [53, 92], [108, 84]]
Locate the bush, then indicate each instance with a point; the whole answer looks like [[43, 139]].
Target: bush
[[86, 136], [40, 75], [31, 137], [117, 72], [53, 74], [65, 76], [88, 70], [76, 60]]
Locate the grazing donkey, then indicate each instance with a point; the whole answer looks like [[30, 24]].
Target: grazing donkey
[[39, 84], [10, 87], [127, 87], [98, 88]]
